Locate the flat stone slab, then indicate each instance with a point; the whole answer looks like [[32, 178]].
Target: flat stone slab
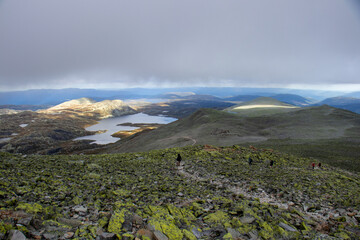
[[287, 227], [160, 236]]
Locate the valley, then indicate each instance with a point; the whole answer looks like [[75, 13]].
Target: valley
[[52, 130], [106, 170], [278, 125]]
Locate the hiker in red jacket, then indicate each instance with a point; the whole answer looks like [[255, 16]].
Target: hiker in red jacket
[[313, 165]]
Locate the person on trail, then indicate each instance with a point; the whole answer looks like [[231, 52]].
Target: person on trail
[[271, 163], [250, 161], [178, 160], [313, 165], [319, 165]]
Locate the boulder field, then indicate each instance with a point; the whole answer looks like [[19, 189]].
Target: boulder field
[[214, 194]]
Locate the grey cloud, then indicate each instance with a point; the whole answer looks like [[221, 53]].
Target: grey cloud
[[47, 43]]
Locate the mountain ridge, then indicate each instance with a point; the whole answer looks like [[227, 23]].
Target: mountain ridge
[[210, 126], [293, 99], [261, 106], [87, 106], [57, 96], [348, 103]]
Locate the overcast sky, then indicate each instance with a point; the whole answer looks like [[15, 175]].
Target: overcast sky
[[152, 43]]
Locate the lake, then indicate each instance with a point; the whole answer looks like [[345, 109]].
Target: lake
[[110, 125]]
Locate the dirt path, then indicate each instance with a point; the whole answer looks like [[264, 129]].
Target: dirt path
[[241, 188], [193, 140], [263, 196]]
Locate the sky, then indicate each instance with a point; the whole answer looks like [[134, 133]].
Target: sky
[[109, 44]]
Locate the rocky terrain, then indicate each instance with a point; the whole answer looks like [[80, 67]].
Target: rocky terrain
[[30, 132], [4, 111], [52, 130], [213, 194]]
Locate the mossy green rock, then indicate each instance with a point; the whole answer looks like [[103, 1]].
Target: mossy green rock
[[5, 227], [342, 235], [228, 236], [30, 208], [116, 221], [188, 235], [128, 236], [218, 218], [102, 222], [266, 231], [182, 216], [168, 228], [164, 222], [196, 209], [304, 227]]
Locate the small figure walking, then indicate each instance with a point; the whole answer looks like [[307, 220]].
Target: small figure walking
[[271, 163], [250, 161], [319, 165], [313, 165], [178, 160]]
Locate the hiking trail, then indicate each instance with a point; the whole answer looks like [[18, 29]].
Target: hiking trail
[[243, 188]]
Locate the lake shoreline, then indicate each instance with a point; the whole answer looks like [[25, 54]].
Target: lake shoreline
[[113, 129]]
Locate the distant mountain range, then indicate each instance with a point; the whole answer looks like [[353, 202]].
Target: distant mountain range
[[43, 98], [57, 96], [353, 95], [25, 107], [348, 103], [293, 99]]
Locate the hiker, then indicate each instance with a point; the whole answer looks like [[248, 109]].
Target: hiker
[[178, 160], [319, 165], [250, 161], [271, 163], [313, 165]]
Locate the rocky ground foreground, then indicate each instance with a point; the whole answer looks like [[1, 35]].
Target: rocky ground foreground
[[214, 194]]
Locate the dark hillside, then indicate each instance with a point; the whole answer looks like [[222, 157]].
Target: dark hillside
[[183, 108], [208, 126], [222, 128]]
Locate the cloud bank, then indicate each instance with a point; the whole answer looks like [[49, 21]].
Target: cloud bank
[[88, 43]]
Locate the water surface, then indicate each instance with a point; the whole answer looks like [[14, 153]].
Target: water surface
[[111, 125]]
